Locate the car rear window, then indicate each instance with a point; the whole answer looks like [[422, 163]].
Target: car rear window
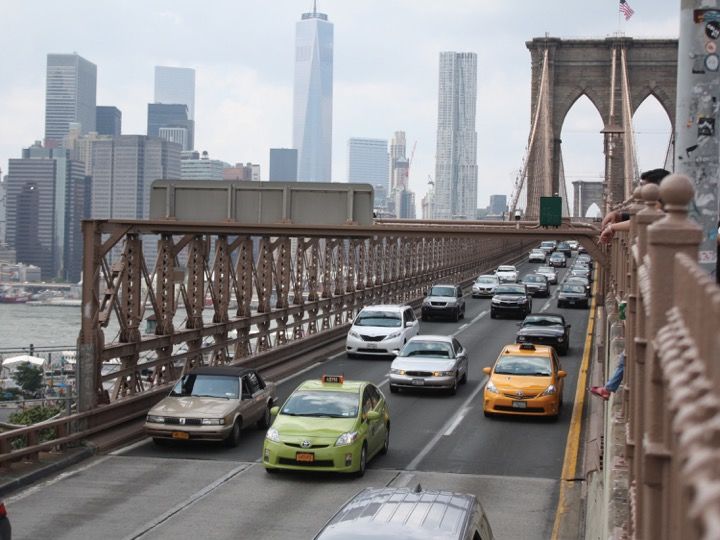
[[534, 279], [487, 280], [542, 320], [322, 404], [387, 319], [506, 269], [573, 288], [524, 365]]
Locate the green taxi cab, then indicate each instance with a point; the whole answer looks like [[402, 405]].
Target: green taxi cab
[[328, 425]]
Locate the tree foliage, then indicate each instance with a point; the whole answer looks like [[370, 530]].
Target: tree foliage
[[28, 377]]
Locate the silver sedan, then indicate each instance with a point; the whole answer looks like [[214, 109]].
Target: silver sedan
[[432, 362]]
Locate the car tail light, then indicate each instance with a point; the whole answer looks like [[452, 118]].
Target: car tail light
[[3, 510]]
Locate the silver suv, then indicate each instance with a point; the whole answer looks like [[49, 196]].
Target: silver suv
[[444, 300]]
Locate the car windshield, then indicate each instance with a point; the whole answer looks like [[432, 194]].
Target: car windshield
[[545, 270], [386, 319], [435, 349], [510, 289], [322, 404], [506, 269], [524, 365], [542, 320], [563, 245], [532, 278], [547, 244], [217, 386], [570, 287], [486, 279], [557, 256], [442, 291], [577, 279]]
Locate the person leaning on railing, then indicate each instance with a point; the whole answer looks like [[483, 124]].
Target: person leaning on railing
[[619, 221]]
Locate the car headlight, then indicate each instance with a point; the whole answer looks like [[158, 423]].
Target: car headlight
[[394, 371], [354, 334], [561, 339], [393, 335], [213, 421], [272, 435], [549, 391], [523, 300], [490, 387], [346, 438], [153, 419], [443, 373], [522, 338], [495, 300]]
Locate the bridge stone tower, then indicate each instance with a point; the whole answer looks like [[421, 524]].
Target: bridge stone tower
[[616, 74]]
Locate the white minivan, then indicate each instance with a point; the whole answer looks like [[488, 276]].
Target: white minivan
[[381, 330]]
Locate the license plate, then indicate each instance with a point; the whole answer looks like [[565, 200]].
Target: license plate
[[305, 457], [519, 404], [180, 435], [418, 382], [372, 346]]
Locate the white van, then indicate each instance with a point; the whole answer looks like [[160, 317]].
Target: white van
[[381, 330]]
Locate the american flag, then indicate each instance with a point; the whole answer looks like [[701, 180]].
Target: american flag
[[626, 10]]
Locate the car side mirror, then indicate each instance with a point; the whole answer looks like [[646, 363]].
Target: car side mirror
[[569, 326], [408, 324], [561, 374], [487, 370], [274, 411], [373, 415]]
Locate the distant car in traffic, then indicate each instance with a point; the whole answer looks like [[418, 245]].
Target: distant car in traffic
[[430, 362], [212, 404], [526, 379], [573, 244], [537, 255], [485, 285], [557, 259], [403, 513], [548, 246], [328, 425], [545, 329], [381, 330], [564, 248], [511, 299], [507, 273], [537, 284], [580, 271], [443, 300], [571, 294], [549, 272], [585, 258], [585, 282]]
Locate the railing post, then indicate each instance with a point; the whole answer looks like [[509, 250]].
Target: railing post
[[668, 236]]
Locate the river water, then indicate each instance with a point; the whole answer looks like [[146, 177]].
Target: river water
[[43, 326]]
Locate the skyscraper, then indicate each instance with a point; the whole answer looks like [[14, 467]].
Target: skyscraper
[[108, 121], [170, 115], [313, 93], [47, 196], [456, 155], [398, 161], [498, 204], [368, 161], [70, 94], [176, 85], [283, 165]]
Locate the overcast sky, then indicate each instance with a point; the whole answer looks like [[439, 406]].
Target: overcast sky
[[385, 72]]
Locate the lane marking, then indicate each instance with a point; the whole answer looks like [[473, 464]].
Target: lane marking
[[62, 476], [572, 446], [383, 382], [142, 531], [456, 423], [316, 364], [126, 449], [467, 325], [412, 466]]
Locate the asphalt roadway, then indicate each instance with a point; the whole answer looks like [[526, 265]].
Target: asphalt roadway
[[444, 442]]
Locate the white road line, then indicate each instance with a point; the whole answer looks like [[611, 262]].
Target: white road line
[[128, 448], [142, 531], [58, 478], [316, 364], [334, 356], [456, 423], [412, 466], [466, 325]]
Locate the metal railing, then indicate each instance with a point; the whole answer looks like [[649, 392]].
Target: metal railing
[[670, 398]]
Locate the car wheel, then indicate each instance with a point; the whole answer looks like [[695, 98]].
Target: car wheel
[[463, 379], [394, 389], [565, 349], [266, 420], [233, 439], [363, 462], [423, 317], [462, 315], [559, 304], [488, 414], [457, 315], [386, 444], [453, 389]]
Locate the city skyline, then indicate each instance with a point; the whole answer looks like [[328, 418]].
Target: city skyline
[[244, 95]]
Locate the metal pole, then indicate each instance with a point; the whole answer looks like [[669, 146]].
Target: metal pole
[[697, 124]]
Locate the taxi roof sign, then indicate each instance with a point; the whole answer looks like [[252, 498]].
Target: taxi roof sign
[[333, 379]]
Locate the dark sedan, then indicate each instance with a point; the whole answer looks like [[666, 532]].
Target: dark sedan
[[557, 259], [545, 329], [564, 248], [572, 294], [537, 285], [511, 298]]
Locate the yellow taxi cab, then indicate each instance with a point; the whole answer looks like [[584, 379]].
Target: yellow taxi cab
[[527, 380]]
